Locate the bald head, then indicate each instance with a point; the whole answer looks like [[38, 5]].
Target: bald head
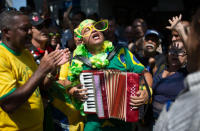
[[7, 19]]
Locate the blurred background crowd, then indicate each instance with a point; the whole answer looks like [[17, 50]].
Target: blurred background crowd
[[155, 14], [143, 26]]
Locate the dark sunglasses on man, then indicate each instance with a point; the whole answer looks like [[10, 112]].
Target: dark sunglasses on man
[[153, 38], [43, 25]]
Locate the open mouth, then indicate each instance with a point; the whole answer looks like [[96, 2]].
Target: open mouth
[[53, 39], [149, 46], [174, 59], [96, 36]]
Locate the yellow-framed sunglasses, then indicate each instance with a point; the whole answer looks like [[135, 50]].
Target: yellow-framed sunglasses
[[98, 26]]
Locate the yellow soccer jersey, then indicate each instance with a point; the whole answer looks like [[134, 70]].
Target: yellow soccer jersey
[[64, 71], [15, 70], [76, 121]]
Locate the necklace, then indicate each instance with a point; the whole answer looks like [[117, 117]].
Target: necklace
[[98, 61]]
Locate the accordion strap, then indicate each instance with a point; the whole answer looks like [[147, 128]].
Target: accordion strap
[[146, 106], [147, 87], [87, 61], [149, 95], [114, 51]]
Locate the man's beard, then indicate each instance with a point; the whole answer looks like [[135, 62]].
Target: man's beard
[[149, 51]]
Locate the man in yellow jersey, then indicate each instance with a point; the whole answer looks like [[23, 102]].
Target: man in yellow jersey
[[21, 106]]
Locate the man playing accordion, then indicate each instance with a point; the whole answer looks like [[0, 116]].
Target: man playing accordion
[[96, 50]]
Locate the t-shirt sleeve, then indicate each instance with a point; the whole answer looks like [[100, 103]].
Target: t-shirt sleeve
[[64, 71], [8, 82], [133, 65]]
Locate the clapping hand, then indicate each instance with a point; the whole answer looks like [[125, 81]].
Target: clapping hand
[[65, 57], [51, 61]]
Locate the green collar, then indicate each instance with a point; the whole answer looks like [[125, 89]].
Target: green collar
[[10, 50]]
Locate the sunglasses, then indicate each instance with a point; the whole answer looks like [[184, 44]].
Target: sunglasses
[[51, 34], [98, 26], [178, 52], [43, 25], [152, 38]]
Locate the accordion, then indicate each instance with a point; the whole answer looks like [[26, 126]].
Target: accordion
[[109, 94]]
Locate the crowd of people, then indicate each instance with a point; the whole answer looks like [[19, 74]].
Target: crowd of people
[[40, 64]]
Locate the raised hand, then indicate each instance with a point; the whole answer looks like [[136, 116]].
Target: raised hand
[[66, 56], [66, 13], [50, 61], [178, 26], [67, 20], [175, 23]]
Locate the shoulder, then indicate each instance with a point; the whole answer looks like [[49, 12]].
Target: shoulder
[[157, 78], [28, 54], [184, 114], [185, 110], [28, 57], [4, 58], [183, 71], [3, 51]]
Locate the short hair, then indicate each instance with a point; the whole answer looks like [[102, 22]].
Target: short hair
[[141, 21], [6, 21]]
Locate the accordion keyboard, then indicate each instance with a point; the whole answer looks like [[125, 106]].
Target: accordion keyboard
[[86, 80]]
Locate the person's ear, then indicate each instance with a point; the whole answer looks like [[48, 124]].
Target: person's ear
[[6, 32]]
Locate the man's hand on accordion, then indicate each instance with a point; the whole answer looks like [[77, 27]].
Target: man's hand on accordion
[[140, 98], [79, 94]]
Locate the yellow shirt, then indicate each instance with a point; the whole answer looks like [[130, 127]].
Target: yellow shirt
[[76, 121], [15, 70], [64, 71]]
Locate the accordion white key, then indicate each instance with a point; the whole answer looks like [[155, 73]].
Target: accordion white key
[[87, 82]]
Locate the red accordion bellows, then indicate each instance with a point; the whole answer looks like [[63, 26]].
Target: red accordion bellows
[[109, 93]]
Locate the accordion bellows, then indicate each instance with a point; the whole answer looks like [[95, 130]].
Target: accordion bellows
[[109, 94]]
